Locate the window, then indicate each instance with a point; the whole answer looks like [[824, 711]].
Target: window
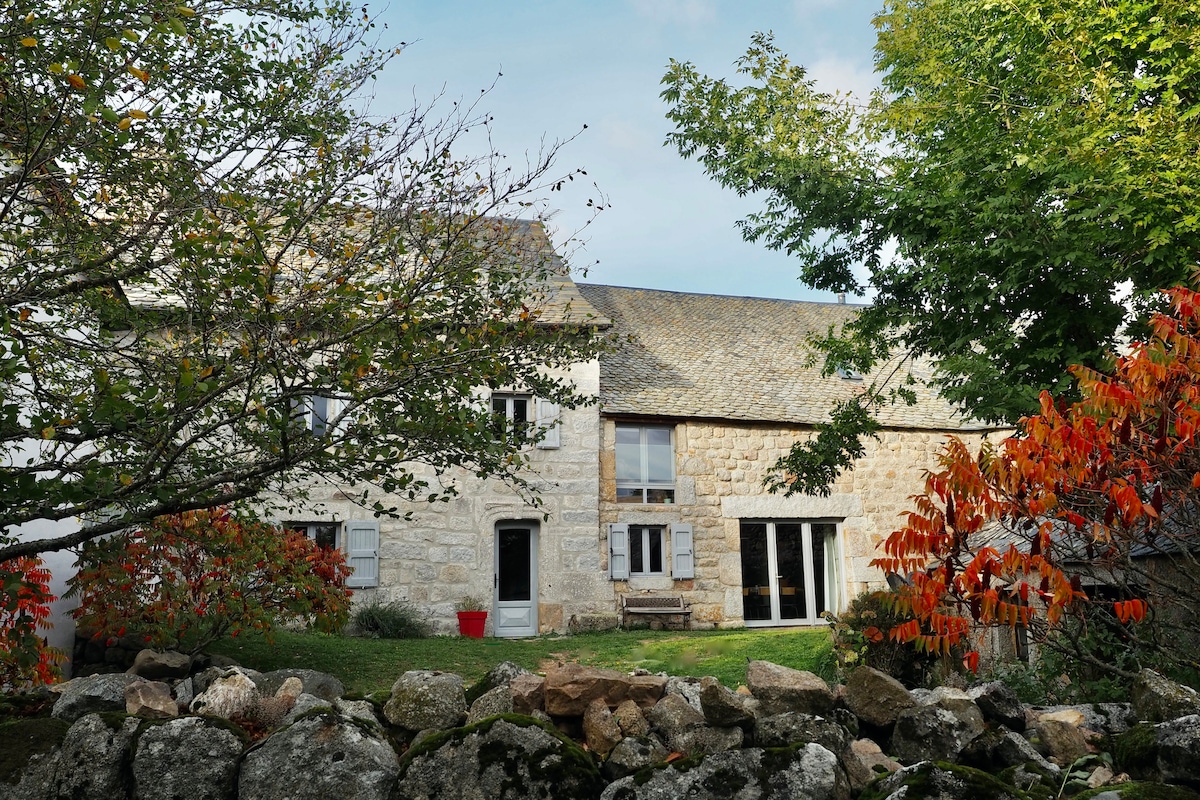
[[314, 413], [641, 550], [646, 550], [358, 539], [511, 412], [645, 464]]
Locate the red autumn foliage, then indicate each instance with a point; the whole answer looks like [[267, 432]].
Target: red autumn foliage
[[1086, 508], [188, 579], [25, 657]]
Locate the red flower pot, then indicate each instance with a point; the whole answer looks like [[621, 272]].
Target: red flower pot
[[470, 623]]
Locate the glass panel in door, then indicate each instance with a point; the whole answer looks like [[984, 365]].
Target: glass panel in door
[[513, 565], [789, 550], [824, 567], [756, 577]]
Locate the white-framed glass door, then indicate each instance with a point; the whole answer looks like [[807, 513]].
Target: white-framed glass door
[[791, 571], [515, 603]]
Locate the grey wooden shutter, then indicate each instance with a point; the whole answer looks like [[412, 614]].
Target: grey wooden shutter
[[683, 559], [548, 413], [618, 551], [362, 553]]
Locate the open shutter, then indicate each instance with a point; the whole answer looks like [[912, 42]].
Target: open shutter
[[362, 553], [618, 551], [548, 413], [683, 560]]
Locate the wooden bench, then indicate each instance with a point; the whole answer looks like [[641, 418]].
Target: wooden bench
[[654, 605]]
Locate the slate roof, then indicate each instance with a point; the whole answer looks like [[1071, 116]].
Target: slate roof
[[685, 355], [555, 298]]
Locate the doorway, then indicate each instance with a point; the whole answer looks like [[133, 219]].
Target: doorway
[[515, 603], [791, 571]]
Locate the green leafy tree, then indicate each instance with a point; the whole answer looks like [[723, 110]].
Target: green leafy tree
[[1025, 164], [203, 227], [186, 580]]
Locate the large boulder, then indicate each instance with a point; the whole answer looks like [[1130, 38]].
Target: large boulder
[[154, 665], [630, 718], [1062, 741], [600, 730], [936, 732], [187, 757], [1178, 743], [875, 697], [227, 696], [791, 727], [320, 756], [424, 700], [706, 740], [723, 707], [803, 773], [150, 700], [571, 687], [92, 695], [999, 748], [781, 689], [1158, 699], [999, 705], [528, 693], [686, 687], [673, 715], [320, 684], [94, 757], [498, 700], [502, 757], [632, 754], [30, 757], [929, 781]]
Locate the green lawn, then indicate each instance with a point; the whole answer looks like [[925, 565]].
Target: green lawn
[[368, 665]]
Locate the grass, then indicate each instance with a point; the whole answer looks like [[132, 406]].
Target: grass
[[369, 665]]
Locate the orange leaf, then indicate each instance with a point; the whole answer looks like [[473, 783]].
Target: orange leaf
[[77, 81]]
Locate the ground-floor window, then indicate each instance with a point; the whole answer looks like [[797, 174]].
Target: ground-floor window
[[791, 571], [357, 539]]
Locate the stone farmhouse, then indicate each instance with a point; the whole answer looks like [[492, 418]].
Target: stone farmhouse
[[657, 489]]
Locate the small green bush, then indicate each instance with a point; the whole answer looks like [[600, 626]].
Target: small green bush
[[394, 620]]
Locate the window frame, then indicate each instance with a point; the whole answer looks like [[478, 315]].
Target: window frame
[[508, 414], [309, 529], [646, 532], [644, 486]]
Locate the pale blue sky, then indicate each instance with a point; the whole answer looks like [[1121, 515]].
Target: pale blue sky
[[567, 64]]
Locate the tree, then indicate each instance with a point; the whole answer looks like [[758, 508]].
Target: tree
[[186, 580], [25, 658], [222, 273], [1082, 526], [1025, 166]]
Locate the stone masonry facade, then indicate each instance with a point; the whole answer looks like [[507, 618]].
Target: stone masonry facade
[[720, 467]]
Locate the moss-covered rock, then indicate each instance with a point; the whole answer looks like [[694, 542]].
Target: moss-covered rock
[[940, 780], [24, 739], [504, 756], [1138, 791], [1136, 751]]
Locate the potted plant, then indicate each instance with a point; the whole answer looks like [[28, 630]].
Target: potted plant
[[472, 615]]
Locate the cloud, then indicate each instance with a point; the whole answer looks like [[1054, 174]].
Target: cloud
[[838, 74], [687, 13]]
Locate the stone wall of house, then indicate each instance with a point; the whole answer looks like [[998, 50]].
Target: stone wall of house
[[446, 550], [720, 468]]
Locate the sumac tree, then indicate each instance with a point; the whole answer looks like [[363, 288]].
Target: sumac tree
[[188, 579], [1087, 516], [25, 657]]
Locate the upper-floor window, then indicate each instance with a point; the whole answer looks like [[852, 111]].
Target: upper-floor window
[[314, 413], [511, 411], [645, 464]]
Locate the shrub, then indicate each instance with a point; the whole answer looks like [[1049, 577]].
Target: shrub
[[860, 636], [188, 579], [395, 620], [25, 657]]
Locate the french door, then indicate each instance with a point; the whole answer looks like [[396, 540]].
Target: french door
[[515, 603], [791, 571]]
